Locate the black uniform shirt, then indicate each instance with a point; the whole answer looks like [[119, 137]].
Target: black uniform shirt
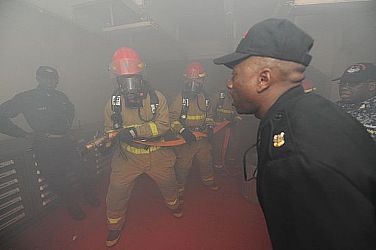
[[45, 111], [316, 175]]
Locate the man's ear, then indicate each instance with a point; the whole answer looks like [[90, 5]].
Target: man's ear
[[264, 80]]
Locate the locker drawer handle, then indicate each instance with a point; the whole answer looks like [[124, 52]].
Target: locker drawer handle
[[7, 173], [10, 212], [43, 187], [46, 202], [12, 221], [10, 203], [9, 193], [8, 183], [6, 163], [45, 194]]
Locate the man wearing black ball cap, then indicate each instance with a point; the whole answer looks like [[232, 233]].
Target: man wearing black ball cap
[[316, 178], [357, 90]]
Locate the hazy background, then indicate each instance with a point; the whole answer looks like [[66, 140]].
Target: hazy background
[[78, 38]]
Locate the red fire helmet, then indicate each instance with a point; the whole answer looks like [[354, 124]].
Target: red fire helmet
[[126, 61], [195, 70]]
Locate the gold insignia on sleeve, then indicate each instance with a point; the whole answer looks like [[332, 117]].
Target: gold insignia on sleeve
[[279, 140]]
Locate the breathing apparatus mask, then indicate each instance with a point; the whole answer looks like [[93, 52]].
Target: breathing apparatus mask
[[193, 87], [132, 87]]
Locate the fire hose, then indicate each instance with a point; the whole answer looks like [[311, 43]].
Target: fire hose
[[111, 134]]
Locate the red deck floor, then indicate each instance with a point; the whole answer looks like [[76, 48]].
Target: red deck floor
[[220, 219]]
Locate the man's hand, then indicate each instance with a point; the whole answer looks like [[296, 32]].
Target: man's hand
[[127, 134], [210, 132], [188, 136]]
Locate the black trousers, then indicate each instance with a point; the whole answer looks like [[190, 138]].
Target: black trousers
[[60, 164]]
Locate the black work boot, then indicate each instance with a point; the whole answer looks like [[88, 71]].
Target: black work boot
[[177, 212], [75, 211], [213, 186], [113, 237]]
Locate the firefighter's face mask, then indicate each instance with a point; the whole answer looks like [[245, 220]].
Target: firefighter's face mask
[[132, 88], [194, 86]]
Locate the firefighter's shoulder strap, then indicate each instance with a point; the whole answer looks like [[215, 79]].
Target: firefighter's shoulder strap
[[154, 104], [220, 105], [116, 106], [207, 102], [154, 101], [184, 108], [221, 99]]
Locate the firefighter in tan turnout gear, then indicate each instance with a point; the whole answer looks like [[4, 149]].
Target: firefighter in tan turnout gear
[[140, 113], [190, 112], [225, 150]]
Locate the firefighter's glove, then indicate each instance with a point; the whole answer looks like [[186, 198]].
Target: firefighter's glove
[[210, 133], [188, 136], [127, 135]]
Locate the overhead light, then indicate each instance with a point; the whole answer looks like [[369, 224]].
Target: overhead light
[[130, 26], [140, 3], [311, 2]]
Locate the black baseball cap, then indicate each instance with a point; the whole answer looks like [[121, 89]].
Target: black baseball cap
[[358, 73], [46, 72], [275, 38]]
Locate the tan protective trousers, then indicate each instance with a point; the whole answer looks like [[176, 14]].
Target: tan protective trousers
[[159, 165], [201, 152]]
